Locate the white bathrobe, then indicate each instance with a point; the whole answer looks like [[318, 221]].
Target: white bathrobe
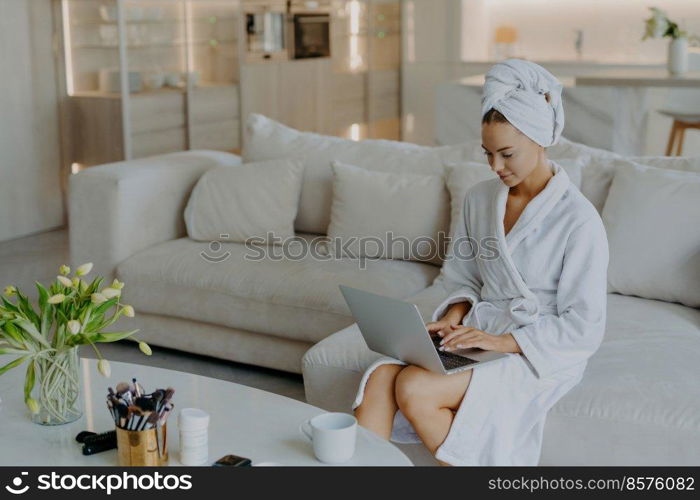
[[547, 287]]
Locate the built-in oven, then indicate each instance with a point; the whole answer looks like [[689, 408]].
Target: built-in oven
[[309, 31], [265, 30]]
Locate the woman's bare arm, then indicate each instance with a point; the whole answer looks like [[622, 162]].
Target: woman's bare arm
[[458, 311], [510, 344]]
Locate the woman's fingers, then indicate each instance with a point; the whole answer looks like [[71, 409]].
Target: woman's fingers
[[460, 341], [433, 326], [438, 327], [446, 330], [454, 332]]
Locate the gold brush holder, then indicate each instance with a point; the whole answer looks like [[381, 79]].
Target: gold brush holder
[[143, 448]]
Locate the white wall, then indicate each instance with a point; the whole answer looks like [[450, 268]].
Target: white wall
[[445, 40], [30, 193], [612, 30]]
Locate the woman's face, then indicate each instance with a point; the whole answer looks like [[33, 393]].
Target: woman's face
[[511, 154]]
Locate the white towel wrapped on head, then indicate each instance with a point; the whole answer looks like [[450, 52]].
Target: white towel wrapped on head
[[516, 88]]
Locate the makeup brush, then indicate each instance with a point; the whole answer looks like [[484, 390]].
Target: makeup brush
[[122, 412], [151, 421], [158, 396], [134, 412], [168, 394], [166, 412], [147, 405], [138, 390], [122, 388], [110, 405]]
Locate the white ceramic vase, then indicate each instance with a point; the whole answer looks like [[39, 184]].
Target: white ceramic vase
[[678, 56]]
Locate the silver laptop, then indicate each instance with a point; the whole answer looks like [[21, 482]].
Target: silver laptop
[[395, 328]]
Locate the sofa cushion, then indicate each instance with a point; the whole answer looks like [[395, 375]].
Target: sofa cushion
[[639, 400], [643, 376], [266, 139], [253, 200], [459, 177], [566, 148], [599, 167], [289, 291], [596, 174], [405, 215], [652, 218], [599, 172]]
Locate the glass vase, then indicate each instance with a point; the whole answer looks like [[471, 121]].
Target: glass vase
[[57, 388]]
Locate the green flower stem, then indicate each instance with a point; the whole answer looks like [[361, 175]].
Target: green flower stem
[[59, 386]]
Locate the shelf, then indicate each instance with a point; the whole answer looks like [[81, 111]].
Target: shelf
[[174, 37], [164, 90], [365, 33], [174, 43], [99, 22]]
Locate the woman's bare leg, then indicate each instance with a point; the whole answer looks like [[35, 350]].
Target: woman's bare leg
[[429, 401], [379, 404]]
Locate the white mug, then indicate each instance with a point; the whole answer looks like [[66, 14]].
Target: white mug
[[333, 436]]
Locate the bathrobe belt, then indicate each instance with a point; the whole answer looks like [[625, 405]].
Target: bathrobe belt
[[519, 311]]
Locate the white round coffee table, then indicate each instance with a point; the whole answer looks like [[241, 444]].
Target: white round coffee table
[[244, 421]]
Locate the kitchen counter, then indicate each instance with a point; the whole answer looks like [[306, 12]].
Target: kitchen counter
[[640, 78], [478, 81], [577, 62]]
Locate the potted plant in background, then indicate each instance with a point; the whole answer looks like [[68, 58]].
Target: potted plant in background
[[70, 313], [659, 25]]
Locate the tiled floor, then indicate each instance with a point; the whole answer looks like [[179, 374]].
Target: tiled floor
[[38, 257]]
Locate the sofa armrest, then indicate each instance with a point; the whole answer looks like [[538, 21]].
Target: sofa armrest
[[118, 209]]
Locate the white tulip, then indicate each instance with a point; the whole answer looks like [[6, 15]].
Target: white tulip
[[117, 284], [104, 368], [128, 311], [56, 299], [10, 291], [145, 348], [83, 269], [64, 269], [73, 326], [111, 292], [67, 282], [97, 298]]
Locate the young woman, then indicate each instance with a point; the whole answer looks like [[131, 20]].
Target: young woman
[[541, 299]]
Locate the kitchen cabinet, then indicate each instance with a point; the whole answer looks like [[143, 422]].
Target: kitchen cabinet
[[145, 77], [368, 44], [384, 72]]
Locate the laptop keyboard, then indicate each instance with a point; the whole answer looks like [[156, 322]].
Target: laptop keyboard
[[449, 360]]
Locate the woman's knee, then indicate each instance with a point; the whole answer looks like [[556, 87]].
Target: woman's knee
[[383, 377], [412, 390]]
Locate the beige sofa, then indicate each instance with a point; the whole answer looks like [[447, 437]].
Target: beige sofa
[[638, 403]]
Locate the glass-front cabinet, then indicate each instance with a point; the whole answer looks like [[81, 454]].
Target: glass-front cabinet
[[366, 65], [384, 77], [145, 77]]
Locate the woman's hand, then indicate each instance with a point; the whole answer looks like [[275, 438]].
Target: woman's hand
[[443, 326], [463, 337], [453, 317]]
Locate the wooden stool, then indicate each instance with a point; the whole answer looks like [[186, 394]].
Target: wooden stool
[[681, 122]]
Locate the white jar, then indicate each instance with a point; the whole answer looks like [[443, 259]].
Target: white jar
[[193, 425]]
